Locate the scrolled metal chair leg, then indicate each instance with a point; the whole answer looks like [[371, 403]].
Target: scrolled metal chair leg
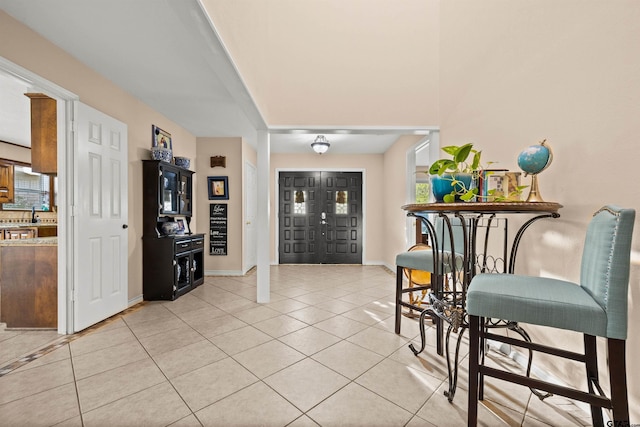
[[423, 337], [453, 374]]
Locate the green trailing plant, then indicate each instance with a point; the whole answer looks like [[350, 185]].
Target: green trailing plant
[[458, 163], [464, 160], [515, 195]]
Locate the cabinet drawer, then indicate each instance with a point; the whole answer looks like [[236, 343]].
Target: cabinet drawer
[[182, 245], [197, 243]]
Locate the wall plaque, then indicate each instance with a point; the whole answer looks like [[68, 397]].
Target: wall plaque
[[218, 229]]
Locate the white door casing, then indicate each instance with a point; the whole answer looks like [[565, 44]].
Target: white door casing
[[250, 212], [100, 217]]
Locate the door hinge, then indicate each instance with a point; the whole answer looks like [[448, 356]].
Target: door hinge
[[72, 211]]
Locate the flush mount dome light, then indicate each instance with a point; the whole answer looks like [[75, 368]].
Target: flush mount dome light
[[320, 145]]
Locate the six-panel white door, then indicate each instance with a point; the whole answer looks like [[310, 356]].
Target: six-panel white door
[[100, 217]]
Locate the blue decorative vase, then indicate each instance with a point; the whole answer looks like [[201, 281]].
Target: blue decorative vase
[[441, 185]]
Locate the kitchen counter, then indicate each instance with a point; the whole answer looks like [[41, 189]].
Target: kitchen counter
[[37, 241], [30, 229], [27, 224]]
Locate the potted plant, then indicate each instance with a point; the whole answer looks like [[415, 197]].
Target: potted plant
[[454, 178]]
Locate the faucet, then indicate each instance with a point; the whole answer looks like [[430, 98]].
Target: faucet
[[34, 218]]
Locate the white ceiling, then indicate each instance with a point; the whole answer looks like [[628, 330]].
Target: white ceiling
[[167, 54]]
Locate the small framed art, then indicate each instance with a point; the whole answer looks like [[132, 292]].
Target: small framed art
[[218, 187], [161, 138], [183, 225]]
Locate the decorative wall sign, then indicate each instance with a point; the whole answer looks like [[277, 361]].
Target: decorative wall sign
[[218, 229], [218, 187], [219, 161]]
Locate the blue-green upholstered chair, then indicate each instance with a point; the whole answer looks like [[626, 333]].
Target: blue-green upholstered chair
[[596, 307], [424, 260]]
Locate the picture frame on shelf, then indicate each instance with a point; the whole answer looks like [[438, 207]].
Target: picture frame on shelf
[[218, 187], [160, 138], [183, 225]]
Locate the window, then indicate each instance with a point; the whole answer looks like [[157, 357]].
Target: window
[[342, 205], [32, 190], [299, 206]]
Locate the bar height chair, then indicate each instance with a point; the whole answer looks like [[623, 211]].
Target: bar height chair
[[596, 307], [435, 260]]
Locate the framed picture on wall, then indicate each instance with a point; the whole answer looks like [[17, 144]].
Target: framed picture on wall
[[218, 187]]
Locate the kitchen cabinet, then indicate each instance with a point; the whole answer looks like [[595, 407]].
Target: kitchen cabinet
[[173, 261], [44, 134], [29, 285], [6, 183], [47, 230]]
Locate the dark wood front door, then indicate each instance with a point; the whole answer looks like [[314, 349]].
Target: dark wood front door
[[320, 217]]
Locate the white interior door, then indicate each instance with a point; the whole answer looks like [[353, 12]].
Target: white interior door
[[100, 217], [250, 211]]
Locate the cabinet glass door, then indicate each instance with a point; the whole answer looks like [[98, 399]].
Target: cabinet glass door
[[184, 192], [183, 270], [169, 191], [197, 261]]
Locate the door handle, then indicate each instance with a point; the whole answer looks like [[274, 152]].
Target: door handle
[[125, 226]]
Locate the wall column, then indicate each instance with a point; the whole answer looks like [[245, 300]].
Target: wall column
[[263, 218]]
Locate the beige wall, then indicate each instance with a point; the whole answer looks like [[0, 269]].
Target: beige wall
[[335, 62], [22, 46], [373, 185], [569, 72], [232, 148], [395, 176]]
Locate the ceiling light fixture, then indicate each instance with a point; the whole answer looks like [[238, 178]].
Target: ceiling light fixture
[[320, 145]]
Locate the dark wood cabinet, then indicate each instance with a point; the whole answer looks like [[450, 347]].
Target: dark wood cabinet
[[173, 262], [173, 266]]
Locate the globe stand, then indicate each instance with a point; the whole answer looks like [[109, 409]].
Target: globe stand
[[530, 161], [534, 193]]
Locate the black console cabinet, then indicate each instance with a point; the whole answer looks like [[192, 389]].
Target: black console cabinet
[[173, 264]]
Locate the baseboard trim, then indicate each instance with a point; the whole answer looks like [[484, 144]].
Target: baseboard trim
[[223, 273], [135, 300]]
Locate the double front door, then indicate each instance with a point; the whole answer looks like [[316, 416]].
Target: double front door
[[320, 217]]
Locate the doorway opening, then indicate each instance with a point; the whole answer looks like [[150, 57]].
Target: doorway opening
[[22, 81], [320, 216]]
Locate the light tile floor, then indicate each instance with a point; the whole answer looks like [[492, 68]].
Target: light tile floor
[[322, 352]]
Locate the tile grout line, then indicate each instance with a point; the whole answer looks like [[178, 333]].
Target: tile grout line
[[66, 339]]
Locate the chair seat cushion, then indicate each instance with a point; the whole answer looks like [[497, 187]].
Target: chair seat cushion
[[536, 300], [423, 260]]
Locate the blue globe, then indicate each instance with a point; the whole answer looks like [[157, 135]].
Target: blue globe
[[535, 158]]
